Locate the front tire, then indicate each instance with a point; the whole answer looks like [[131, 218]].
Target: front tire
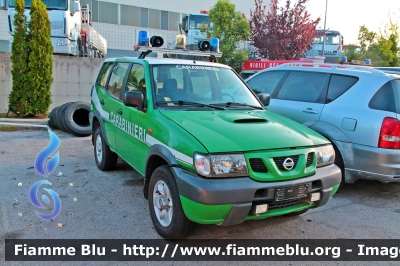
[[105, 158], [166, 211]]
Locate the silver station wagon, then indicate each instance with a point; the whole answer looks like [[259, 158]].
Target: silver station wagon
[[357, 108]]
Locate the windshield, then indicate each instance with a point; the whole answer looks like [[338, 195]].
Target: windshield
[[201, 86], [199, 22], [50, 4], [330, 39]]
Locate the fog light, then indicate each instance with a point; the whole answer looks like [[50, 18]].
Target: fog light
[[260, 209], [314, 196]]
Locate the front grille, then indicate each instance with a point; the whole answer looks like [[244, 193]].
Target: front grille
[[285, 203], [310, 159], [257, 165], [279, 161]]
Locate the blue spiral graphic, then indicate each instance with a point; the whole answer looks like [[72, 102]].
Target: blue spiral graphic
[[35, 201], [41, 158]]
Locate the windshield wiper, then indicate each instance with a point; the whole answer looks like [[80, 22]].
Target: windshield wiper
[[181, 103], [229, 104]]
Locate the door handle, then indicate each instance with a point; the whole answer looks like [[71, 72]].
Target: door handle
[[310, 111], [119, 112], [102, 102]]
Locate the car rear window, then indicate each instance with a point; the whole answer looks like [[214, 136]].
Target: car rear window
[[338, 85], [384, 99]]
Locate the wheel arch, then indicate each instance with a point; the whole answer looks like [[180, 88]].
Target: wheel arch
[[96, 121], [157, 156], [334, 135]]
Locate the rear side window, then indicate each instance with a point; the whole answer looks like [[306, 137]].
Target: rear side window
[[304, 87], [117, 79], [383, 99], [103, 74], [396, 92], [266, 82], [338, 85]]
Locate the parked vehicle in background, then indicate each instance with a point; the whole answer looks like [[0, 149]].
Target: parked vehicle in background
[[193, 25], [182, 124], [356, 107], [333, 47], [250, 67], [71, 27]]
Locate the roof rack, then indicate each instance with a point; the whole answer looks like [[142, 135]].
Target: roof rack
[[147, 50], [335, 66]]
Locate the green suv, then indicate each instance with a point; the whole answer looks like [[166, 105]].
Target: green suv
[[207, 148]]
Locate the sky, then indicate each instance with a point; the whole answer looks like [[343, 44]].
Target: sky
[[346, 16]]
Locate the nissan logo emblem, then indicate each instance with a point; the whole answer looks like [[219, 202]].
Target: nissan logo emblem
[[288, 164]]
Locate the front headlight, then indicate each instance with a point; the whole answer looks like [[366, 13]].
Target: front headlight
[[220, 165], [325, 155]]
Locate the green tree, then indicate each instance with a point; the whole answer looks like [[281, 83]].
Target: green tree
[[40, 59], [380, 47], [19, 59], [32, 53], [230, 27]]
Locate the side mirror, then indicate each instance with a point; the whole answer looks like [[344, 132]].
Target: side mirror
[[134, 99], [265, 98], [3, 4], [77, 6]]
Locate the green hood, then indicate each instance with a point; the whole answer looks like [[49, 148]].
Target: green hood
[[243, 130]]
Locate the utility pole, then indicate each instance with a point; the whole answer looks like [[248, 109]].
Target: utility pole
[[323, 43]]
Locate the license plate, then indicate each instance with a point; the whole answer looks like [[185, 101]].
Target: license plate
[[294, 192]]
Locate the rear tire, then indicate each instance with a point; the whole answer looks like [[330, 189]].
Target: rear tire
[[166, 211], [339, 163], [105, 158]]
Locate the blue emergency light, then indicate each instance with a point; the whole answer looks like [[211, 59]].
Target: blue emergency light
[[143, 38], [214, 45]]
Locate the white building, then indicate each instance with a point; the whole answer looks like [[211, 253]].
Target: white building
[[119, 21]]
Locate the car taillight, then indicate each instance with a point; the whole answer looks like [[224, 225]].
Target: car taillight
[[389, 138]]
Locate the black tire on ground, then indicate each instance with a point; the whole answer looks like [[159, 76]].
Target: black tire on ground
[[52, 118], [297, 213], [59, 114], [76, 119], [105, 158], [339, 163], [166, 211]]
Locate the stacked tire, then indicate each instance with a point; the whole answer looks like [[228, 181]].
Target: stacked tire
[[72, 117]]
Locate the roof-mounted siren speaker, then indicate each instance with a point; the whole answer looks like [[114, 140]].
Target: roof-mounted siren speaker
[[143, 38], [214, 45], [204, 45], [156, 41]]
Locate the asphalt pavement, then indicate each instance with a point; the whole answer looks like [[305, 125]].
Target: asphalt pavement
[[110, 205]]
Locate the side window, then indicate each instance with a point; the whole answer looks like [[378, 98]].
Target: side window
[[383, 99], [396, 91], [303, 86], [136, 79], [117, 79], [103, 74], [266, 82], [338, 85]]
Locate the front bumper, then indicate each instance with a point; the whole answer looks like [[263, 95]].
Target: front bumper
[[243, 192]]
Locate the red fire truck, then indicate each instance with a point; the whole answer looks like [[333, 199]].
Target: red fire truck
[[253, 66]]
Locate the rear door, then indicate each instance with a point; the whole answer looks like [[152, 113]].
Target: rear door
[[301, 96]]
